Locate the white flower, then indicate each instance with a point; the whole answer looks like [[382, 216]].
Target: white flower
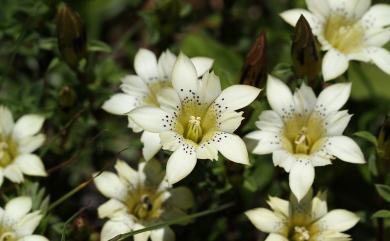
[[142, 89], [347, 30], [17, 142], [138, 199], [303, 131], [17, 223], [308, 220], [196, 120]]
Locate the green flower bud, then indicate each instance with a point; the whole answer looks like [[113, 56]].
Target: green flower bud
[[67, 97], [71, 36], [305, 51]]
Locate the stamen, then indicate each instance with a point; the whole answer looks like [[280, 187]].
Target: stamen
[[301, 234], [194, 130]]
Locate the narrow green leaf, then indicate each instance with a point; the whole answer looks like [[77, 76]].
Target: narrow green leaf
[[63, 236], [384, 191], [170, 222], [98, 46], [381, 214], [367, 136]]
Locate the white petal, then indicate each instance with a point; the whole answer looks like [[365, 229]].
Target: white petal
[[283, 159], [378, 16], [231, 147], [181, 197], [351, 8], [331, 236], [332, 98], [110, 186], [14, 173], [127, 173], [337, 122], [145, 64], [170, 140], [265, 220], [345, 149], [120, 104], [319, 7], [275, 237], [181, 163], [334, 64], [230, 121], [207, 150], [151, 143], [184, 77], [6, 120], [152, 119], [268, 142], [28, 125], [112, 229], [133, 85], [270, 121], [110, 208], [236, 97], [28, 223], [338, 220], [380, 57], [279, 205], [319, 206], [377, 37], [18, 207], [301, 178], [168, 100], [304, 99], [162, 234], [34, 238], [202, 64], [31, 164], [210, 88], [31, 143], [279, 96], [166, 61], [144, 236], [292, 16]]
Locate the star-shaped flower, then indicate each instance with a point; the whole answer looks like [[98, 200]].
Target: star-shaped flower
[[303, 131], [347, 30], [196, 119]]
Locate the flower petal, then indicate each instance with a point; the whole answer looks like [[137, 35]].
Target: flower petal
[[31, 143], [292, 16], [111, 208], [181, 163], [144, 236], [31, 164], [380, 57], [279, 97], [6, 120], [231, 147], [338, 220], [210, 88], [301, 178], [134, 85], [127, 173], [120, 104], [28, 125], [265, 220], [320, 8], [28, 223], [304, 99], [268, 141], [337, 122], [334, 64], [152, 119], [378, 16], [319, 206], [163, 234], [18, 207], [236, 97], [184, 77], [169, 100], [279, 205], [229, 121], [283, 159], [202, 64], [113, 228], [275, 237], [332, 98], [13, 173], [352, 9], [166, 61], [34, 237], [145, 65], [345, 149], [110, 185], [270, 121], [151, 143], [377, 37]]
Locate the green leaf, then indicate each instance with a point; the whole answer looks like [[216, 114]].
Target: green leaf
[[384, 191], [381, 214], [98, 46], [170, 222], [367, 136]]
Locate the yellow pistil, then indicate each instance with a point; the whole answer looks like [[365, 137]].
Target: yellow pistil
[[345, 35], [144, 204], [194, 130], [299, 233], [8, 151]]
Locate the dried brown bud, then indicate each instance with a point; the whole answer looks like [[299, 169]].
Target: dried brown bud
[[67, 97], [384, 140], [254, 71], [71, 36], [305, 51]]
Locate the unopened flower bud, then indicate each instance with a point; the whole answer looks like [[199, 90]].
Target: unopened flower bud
[[384, 140], [67, 97], [305, 51], [71, 36], [254, 71]]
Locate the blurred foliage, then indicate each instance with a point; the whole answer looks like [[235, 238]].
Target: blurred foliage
[[82, 138]]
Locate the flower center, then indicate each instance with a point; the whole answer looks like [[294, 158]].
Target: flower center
[[301, 133], [144, 204], [299, 233], [8, 151], [6, 234], [346, 35], [154, 88], [194, 130]]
